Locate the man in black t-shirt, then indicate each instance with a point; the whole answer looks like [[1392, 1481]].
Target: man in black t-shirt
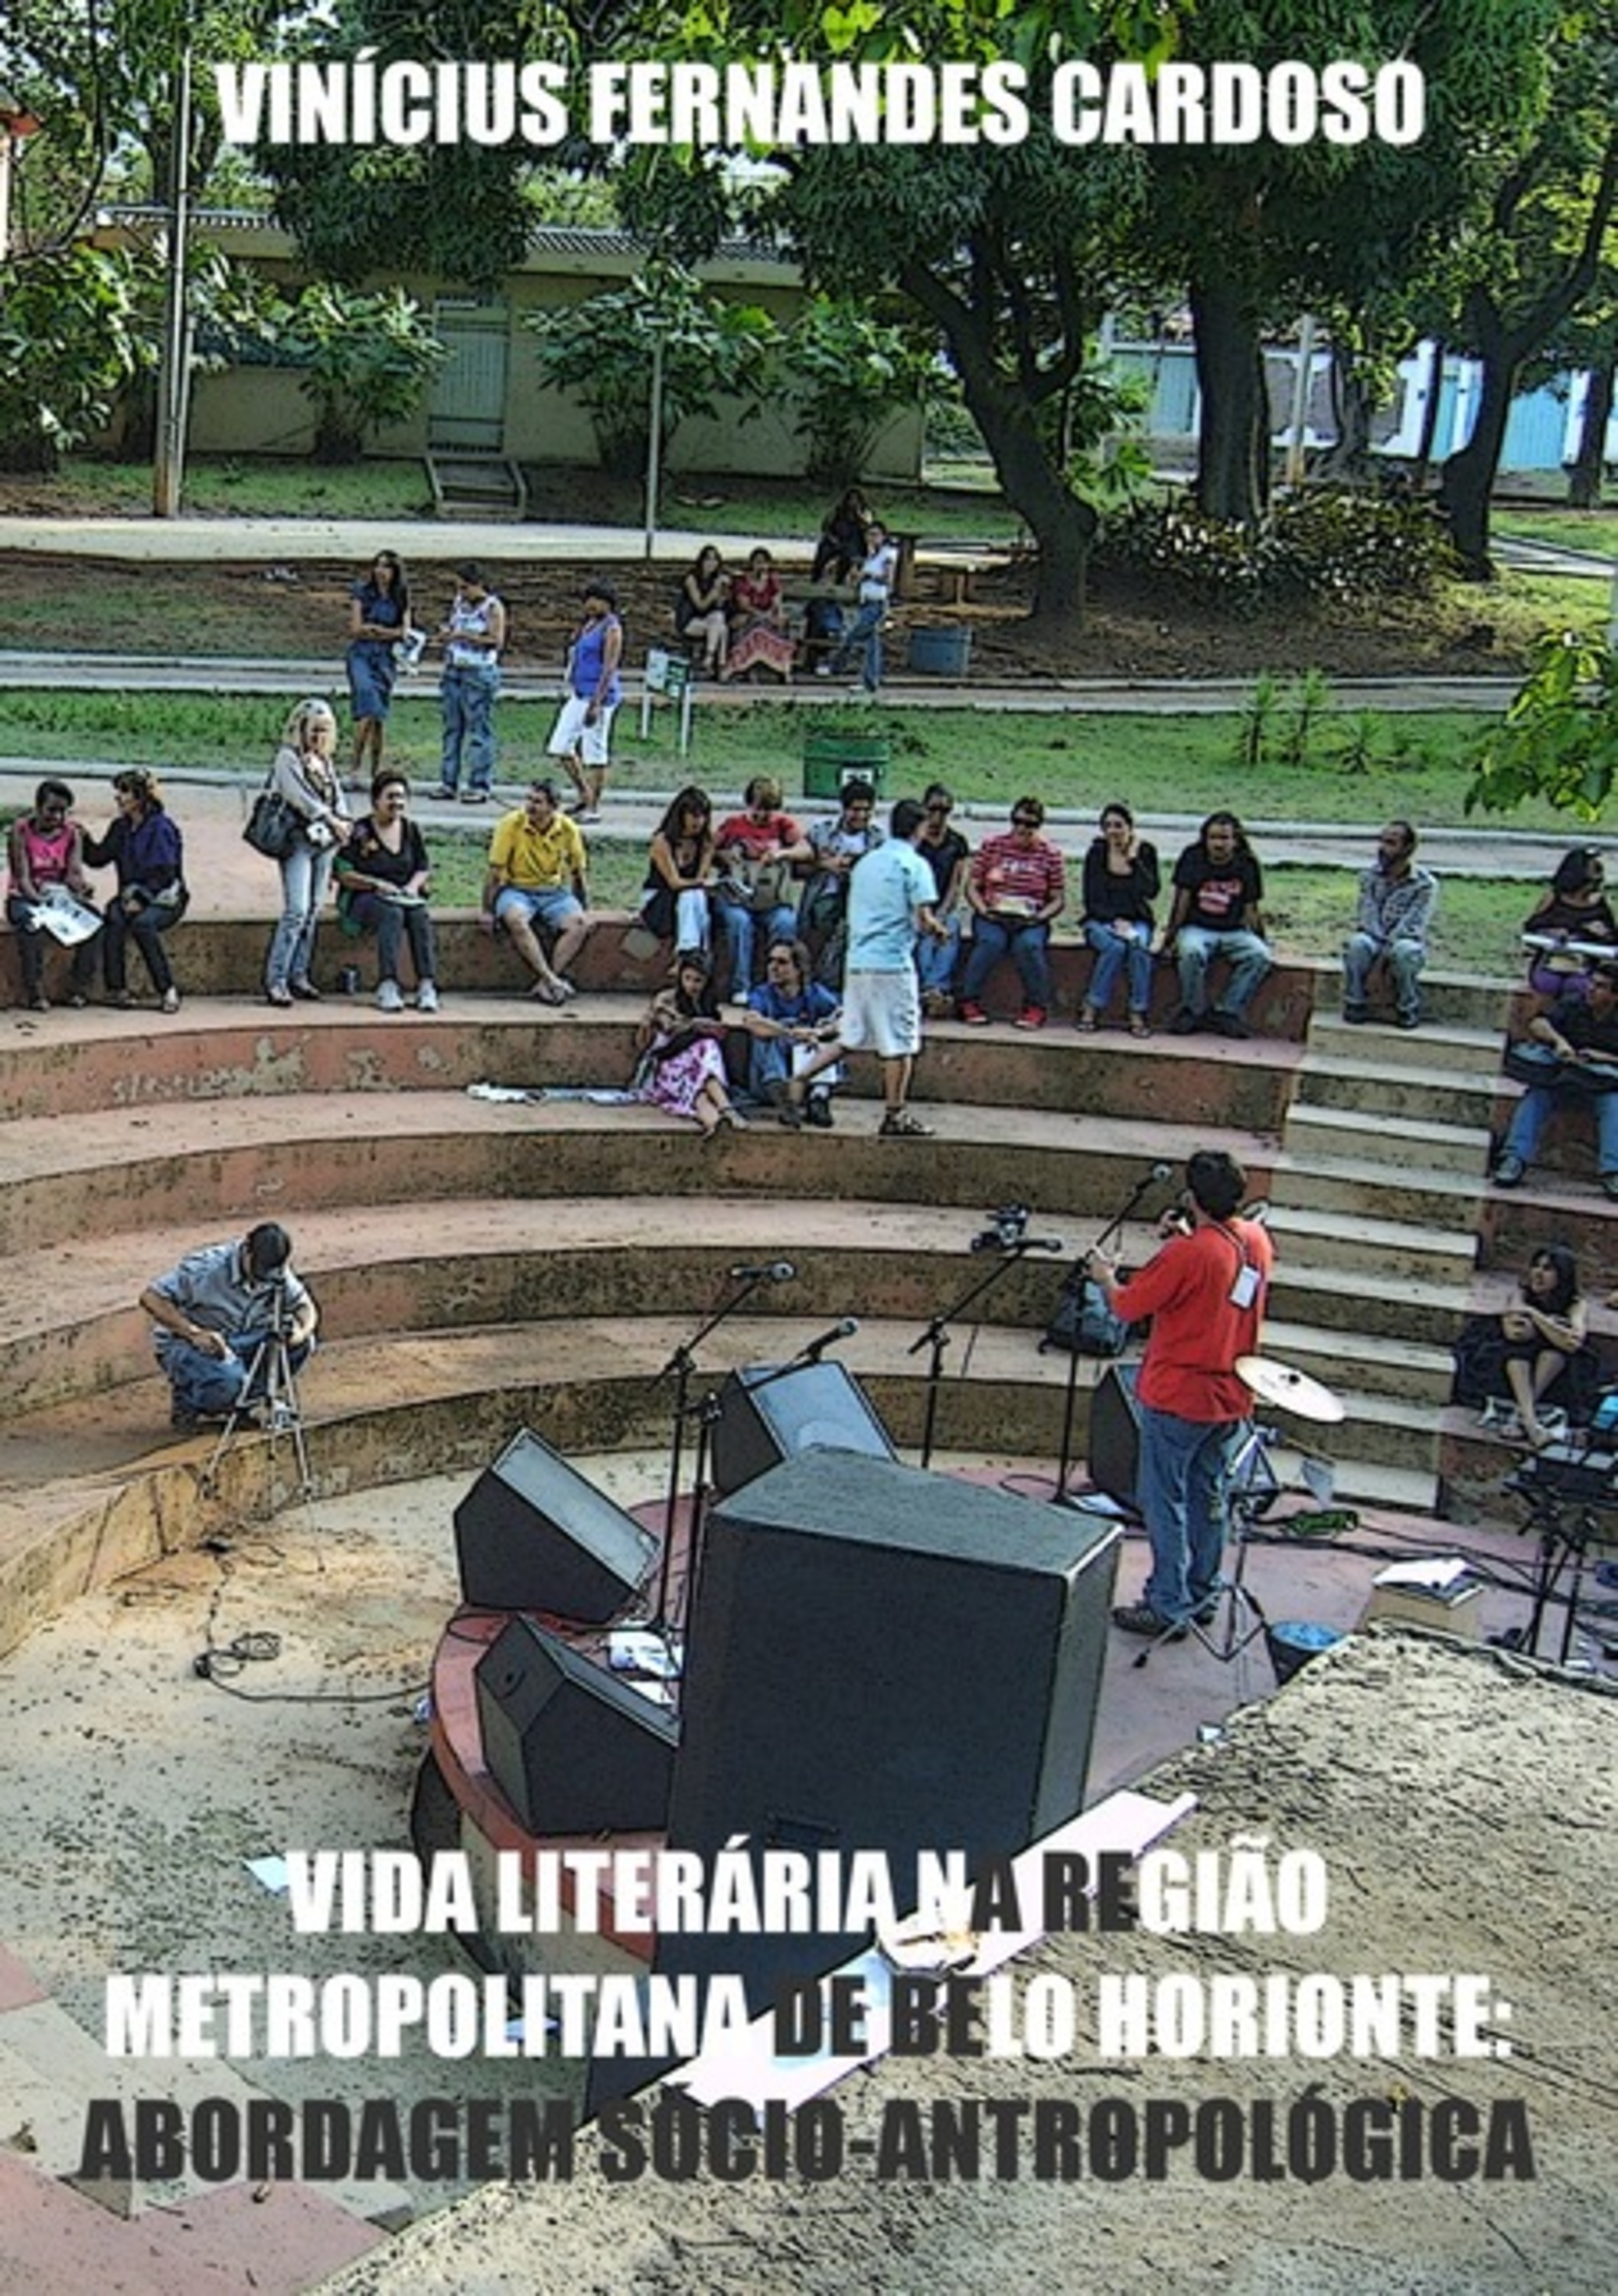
[[1218, 889], [1581, 1032], [945, 853]]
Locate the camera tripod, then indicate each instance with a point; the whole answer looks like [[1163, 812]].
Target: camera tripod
[[270, 1387]]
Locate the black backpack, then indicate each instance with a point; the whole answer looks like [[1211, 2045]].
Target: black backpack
[[1083, 1323]]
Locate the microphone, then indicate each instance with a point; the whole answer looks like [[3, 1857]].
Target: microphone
[[817, 1348], [779, 1271]]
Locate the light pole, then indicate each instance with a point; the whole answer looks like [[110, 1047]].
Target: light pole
[[174, 363]]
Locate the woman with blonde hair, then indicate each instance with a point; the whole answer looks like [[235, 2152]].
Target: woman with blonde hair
[[143, 845], [304, 774]]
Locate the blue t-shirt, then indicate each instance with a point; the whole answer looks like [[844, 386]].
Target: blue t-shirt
[[887, 888], [811, 1005]]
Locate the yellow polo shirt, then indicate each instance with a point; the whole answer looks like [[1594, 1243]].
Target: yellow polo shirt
[[537, 860]]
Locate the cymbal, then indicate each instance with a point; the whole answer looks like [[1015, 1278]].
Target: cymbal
[[1287, 1390]]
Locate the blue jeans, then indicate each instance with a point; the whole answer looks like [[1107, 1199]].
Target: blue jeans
[[1405, 959], [394, 924], [1025, 942], [864, 634], [936, 960], [212, 1386], [1246, 955], [1541, 1103], [467, 698], [1180, 1486], [742, 936], [1112, 953], [305, 875]]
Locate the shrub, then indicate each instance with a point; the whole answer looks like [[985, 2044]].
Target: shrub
[[1317, 547]]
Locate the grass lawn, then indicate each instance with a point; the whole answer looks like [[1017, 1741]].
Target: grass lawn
[[1309, 910], [1357, 766], [1594, 530]]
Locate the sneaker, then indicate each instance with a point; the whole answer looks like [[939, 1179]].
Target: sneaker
[[444, 794], [1509, 1171], [586, 817], [389, 998], [1031, 1016], [819, 1110], [304, 988], [794, 1112], [171, 1001], [280, 994], [899, 1124], [1228, 1024], [974, 1015], [1141, 1619], [1184, 1023], [1407, 1019], [1356, 1015], [427, 997], [476, 796]]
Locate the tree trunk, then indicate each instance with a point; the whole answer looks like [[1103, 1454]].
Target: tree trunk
[[1348, 456], [1233, 448], [1467, 484], [1584, 481], [1008, 419]]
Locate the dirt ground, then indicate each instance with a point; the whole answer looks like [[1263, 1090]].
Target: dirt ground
[[250, 609], [1463, 1804]]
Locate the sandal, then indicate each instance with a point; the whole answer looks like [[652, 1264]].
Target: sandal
[[737, 1123], [548, 992], [900, 1124]]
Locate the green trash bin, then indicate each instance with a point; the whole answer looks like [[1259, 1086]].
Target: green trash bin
[[830, 759]]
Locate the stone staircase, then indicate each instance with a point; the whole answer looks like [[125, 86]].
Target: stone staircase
[[1379, 1205]]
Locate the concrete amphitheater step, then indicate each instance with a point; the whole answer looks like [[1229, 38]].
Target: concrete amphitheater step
[[1368, 1299], [1447, 1047], [1377, 1364], [1449, 1096], [381, 1409], [1358, 1245], [1409, 1143]]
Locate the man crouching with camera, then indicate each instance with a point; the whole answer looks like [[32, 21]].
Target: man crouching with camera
[[1204, 1289], [220, 1315]]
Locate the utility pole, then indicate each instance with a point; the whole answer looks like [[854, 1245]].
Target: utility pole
[[173, 358]]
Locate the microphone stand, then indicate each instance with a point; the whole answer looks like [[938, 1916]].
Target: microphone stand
[[1075, 1276], [936, 1335], [679, 1367]]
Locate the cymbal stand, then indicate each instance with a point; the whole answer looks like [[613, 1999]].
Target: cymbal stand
[[1238, 1618], [1074, 1278]]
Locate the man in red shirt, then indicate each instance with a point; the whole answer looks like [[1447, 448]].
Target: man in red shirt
[[1204, 1290]]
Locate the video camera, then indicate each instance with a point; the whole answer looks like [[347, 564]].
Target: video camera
[[1009, 1229]]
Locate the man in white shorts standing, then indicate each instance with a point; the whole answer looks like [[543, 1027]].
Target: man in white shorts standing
[[890, 893]]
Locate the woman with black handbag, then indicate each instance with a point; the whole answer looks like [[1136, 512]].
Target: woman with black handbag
[[304, 777]]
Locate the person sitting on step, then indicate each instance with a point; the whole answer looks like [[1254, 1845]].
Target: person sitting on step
[[1574, 915], [795, 1010], [144, 848], [1397, 899], [1219, 889], [1578, 1042], [674, 900], [681, 1043], [46, 850], [383, 876], [1536, 1351], [537, 878], [1016, 888], [1120, 883]]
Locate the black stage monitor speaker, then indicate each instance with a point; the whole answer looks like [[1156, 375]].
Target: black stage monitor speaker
[[1114, 1460], [532, 1534], [883, 1659], [573, 1750], [766, 1415]]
